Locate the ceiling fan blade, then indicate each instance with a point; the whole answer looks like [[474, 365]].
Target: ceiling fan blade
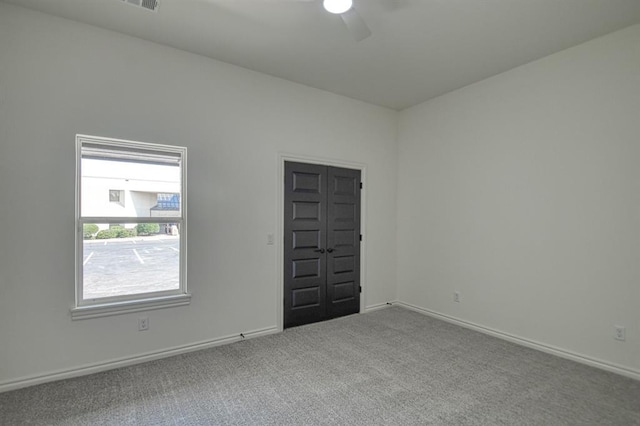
[[356, 24]]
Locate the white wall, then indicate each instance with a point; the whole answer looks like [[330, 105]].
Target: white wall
[[59, 78], [523, 193]]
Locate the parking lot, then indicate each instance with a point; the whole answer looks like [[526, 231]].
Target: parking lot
[[127, 266]]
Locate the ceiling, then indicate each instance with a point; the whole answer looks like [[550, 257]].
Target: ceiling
[[419, 49]]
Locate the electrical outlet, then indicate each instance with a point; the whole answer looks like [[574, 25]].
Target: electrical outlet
[[456, 296], [620, 333], [270, 239], [143, 324]]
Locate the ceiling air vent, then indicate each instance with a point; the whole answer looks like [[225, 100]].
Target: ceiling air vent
[[151, 5]]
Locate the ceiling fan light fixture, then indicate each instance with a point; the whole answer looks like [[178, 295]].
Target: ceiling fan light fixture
[[337, 6]]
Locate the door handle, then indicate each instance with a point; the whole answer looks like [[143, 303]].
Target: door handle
[[319, 250], [329, 250]]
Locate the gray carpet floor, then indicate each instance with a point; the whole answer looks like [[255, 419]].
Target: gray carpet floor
[[392, 367]]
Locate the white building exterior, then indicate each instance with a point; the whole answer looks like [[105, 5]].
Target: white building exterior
[[129, 189]]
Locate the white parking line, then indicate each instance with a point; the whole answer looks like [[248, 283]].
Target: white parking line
[[87, 259], [105, 243], [138, 256], [133, 241], [174, 249]]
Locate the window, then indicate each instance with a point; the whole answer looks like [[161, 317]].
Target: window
[[130, 257], [115, 196]]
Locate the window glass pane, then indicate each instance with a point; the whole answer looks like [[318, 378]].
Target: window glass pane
[[130, 259], [114, 195], [126, 184]]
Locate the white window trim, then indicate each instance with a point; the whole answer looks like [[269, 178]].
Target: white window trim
[[85, 309], [126, 307]]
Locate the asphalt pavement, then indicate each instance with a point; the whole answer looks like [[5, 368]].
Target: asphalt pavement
[[128, 266]]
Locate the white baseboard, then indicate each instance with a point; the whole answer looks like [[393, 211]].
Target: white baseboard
[[377, 306], [563, 353], [127, 361]]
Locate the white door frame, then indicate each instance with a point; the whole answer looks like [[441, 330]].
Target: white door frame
[[298, 158]]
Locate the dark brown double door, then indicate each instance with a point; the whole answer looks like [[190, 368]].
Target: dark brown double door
[[321, 243]]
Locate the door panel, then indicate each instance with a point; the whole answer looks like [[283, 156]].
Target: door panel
[[343, 242], [305, 210], [321, 243], [306, 239], [304, 235], [343, 264]]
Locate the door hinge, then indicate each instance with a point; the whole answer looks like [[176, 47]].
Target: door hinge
[[360, 237], [360, 289], [360, 185]]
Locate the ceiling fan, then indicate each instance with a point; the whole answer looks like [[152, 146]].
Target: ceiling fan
[[352, 19], [350, 16]]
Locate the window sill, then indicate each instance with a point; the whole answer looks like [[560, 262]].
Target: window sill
[[117, 308]]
